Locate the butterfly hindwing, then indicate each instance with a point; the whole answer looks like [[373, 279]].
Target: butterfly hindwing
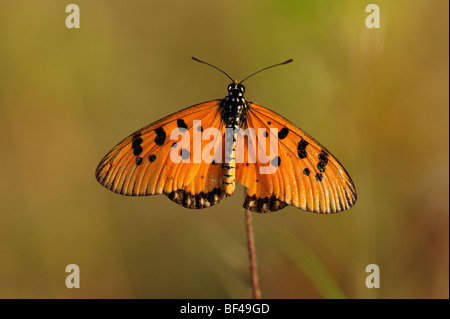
[[307, 175], [142, 165]]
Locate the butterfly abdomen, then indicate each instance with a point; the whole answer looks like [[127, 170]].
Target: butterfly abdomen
[[234, 114], [229, 169]]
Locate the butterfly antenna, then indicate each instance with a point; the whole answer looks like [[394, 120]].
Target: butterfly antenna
[[285, 62], [215, 67]]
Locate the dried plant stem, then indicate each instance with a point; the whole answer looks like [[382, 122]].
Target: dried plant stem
[[251, 251]]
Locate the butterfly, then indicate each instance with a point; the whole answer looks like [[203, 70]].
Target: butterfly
[[196, 168]]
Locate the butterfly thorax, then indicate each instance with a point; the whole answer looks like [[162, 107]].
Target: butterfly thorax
[[234, 106], [234, 114]]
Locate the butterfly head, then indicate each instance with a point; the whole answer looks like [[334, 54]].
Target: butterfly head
[[236, 89]]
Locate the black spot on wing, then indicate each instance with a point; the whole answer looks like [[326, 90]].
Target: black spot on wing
[[138, 161], [306, 171], [276, 161], [301, 149], [137, 150], [136, 142], [185, 154], [283, 133], [160, 136], [323, 161], [152, 158], [136, 145], [319, 177], [321, 167], [181, 124], [323, 156]]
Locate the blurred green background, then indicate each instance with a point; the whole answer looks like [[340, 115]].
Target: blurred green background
[[376, 98]]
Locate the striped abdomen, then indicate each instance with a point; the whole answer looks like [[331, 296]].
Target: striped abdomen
[[229, 168]]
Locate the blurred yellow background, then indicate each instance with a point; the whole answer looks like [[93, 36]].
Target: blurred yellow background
[[376, 98]]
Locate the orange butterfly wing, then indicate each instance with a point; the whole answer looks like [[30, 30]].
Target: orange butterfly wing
[[307, 175], [141, 163]]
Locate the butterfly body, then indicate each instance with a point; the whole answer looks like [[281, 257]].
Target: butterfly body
[[233, 109], [301, 172]]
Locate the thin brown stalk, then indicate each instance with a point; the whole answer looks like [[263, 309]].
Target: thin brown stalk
[[252, 254]]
